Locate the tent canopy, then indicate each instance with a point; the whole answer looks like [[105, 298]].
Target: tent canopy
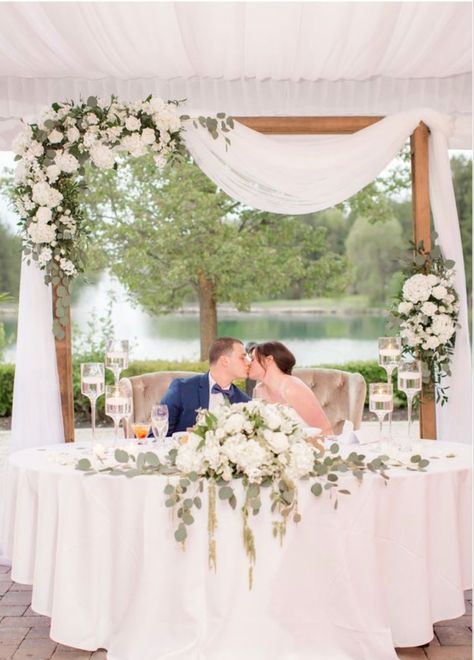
[[244, 58]]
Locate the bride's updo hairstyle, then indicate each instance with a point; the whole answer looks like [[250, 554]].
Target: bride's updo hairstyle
[[284, 359]]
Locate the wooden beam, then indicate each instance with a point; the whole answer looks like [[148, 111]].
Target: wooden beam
[[422, 232], [307, 125], [64, 362]]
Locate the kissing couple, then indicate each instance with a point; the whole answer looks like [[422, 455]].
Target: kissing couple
[[269, 363]]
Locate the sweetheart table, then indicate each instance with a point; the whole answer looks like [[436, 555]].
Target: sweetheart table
[[346, 584]]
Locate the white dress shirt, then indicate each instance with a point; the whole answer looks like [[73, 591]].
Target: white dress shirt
[[216, 399]]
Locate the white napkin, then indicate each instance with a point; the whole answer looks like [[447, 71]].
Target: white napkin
[[347, 437]]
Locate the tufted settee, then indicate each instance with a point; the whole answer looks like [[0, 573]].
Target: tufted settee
[[341, 394]]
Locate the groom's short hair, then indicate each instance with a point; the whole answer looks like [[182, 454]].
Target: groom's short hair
[[221, 346]]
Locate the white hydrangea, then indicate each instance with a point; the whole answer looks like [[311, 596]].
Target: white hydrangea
[[92, 119], [443, 326], [148, 136], [102, 156], [66, 162], [44, 195], [431, 342], [301, 460], [277, 441], [89, 138], [234, 424], [22, 140], [417, 288], [35, 150], [44, 214], [40, 232]]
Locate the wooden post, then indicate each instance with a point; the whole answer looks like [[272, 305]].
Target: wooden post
[[422, 232], [64, 362]]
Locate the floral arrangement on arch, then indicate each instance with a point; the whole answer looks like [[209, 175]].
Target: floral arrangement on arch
[[427, 309], [50, 176], [260, 446]]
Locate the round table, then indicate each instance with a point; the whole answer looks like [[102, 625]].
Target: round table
[[346, 584]]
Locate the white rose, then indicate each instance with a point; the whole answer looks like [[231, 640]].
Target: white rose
[[272, 419], [442, 325], [73, 134], [429, 308], [44, 256], [92, 119], [234, 424], [35, 150], [156, 105], [439, 292], [132, 124], [41, 232], [89, 138], [22, 141], [301, 460], [432, 280], [148, 136], [67, 266], [55, 136]]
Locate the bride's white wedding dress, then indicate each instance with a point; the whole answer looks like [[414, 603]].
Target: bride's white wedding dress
[[281, 394]]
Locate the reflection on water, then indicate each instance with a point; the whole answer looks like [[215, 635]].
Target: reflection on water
[[314, 339]]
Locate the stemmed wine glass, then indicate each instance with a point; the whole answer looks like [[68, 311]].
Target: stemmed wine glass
[[92, 386], [116, 356], [159, 421], [390, 349], [118, 404], [410, 382], [380, 403]]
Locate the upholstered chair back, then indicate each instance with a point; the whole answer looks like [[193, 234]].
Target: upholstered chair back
[[341, 394], [147, 390]]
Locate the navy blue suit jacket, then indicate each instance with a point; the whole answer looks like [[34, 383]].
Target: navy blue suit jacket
[[185, 395]]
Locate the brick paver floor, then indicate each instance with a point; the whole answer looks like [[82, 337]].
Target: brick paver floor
[[25, 635]]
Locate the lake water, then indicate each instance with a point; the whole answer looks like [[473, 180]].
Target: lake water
[[313, 338]]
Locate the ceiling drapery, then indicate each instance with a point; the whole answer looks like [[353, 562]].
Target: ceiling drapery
[[252, 58]]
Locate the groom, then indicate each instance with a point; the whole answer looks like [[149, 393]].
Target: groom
[[227, 361]]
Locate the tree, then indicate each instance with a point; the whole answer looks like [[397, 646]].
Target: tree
[[461, 168], [174, 235], [374, 251], [10, 261]]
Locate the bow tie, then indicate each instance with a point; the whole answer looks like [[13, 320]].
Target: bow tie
[[217, 389]]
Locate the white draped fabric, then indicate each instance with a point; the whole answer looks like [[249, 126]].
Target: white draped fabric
[[345, 585], [288, 177], [244, 58]]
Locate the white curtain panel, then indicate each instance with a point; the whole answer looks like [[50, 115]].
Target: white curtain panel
[[243, 58], [288, 177]]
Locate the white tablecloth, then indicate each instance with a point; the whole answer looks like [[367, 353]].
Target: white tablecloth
[[346, 584]]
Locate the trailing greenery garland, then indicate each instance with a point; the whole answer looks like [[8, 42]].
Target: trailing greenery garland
[[262, 446], [427, 310], [50, 177]]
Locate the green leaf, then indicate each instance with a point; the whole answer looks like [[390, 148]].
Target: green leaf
[[416, 458], [230, 122], [140, 461], [253, 490], [197, 502], [332, 477], [121, 456], [193, 476], [181, 533], [152, 459], [220, 115], [225, 492], [188, 502], [187, 518], [171, 501], [233, 501], [297, 518], [334, 448], [316, 489], [83, 464], [344, 491], [92, 101], [169, 489], [423, 463], [184, 483], [49, 123]]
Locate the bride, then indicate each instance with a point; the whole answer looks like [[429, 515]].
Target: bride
[[271, 366]]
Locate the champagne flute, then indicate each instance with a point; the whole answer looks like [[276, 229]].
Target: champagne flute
[[159, 421], [118, 404], [380, 403], [410, 382], [116, 356], [390, 349], [92, 386]]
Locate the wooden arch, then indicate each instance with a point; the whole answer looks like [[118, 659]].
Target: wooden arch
[[300, 126]]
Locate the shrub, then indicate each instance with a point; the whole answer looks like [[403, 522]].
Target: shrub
[[369, 370]]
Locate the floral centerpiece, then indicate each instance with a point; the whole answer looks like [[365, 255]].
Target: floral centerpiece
[[261, 446], [427, 309]]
